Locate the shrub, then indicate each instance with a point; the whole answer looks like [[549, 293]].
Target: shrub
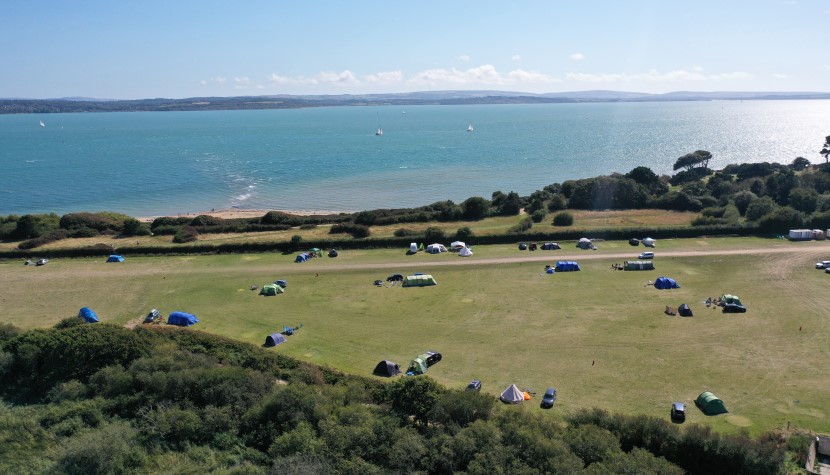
[[97, 221], [563, 219], [308, 226], [35, 225], [134, 227], [403, 232], [168, 221], [186, 234], [538, 215], [557, 202], [356, 230], [464, 233], [83, 232], [51, 236], [434, 234], [522, 226], [205, 220]]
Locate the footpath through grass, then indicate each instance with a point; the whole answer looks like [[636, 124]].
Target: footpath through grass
[[599, 336]]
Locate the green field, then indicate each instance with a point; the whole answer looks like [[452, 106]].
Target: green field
[[599, 336]]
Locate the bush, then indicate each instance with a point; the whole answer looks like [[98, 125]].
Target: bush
[[523, 226], [134, 227], [538, 215], [205, 220], [186, 234], [97, 221], [308, 226], [51, 236], [403, 232], [563, 219], [464, 233], [557, 202], [356, 230], [434, 234], [83, 232]]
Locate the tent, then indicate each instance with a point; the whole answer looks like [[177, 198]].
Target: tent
[[457, 245], [649, 242], [684, 310], [550, 246], [639, 265], [274, 339], [315, 252], [88, 315], [663, 283], [710, 404], [436, 248], [418, 365], [512, 395], [465, 252], [115, 258], [271, 289], [566, 266], [333, 252], [422, 280], [182, 319], [584, 243], [302, 257], [387, 368], [727, 298]]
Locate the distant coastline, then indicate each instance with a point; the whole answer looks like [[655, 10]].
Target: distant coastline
[[74, 104], [235, 213]]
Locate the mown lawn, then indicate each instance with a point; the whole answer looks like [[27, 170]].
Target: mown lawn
[[599, 336]]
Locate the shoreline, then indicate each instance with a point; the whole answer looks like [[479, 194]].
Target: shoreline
[[235, 213]]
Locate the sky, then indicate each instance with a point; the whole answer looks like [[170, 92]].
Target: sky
[[175, 49]]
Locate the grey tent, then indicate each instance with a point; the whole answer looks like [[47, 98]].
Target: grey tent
[[512, 395], [387, 368], [274, 339], [684, 310]]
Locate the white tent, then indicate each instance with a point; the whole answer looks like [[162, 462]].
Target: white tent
[[457, 245], [465, 252], [436, 248], [648, 242], [512, 395]]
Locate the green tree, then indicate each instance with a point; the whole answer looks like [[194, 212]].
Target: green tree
[[464, 233], [804, 200], [563, 219], [759, 207], [434, 234], [742, 199], [698, 158], [475, 208], [825, 150], [800, 163], [415, 397]]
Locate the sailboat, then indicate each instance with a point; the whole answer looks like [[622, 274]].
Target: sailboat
[[470, 128], [379, 131], [42, 124]]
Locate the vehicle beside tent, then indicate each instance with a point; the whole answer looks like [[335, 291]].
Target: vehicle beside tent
[[271, 289], [684, 310], [302, 257], [182, 319], [282, 283], [567, 266], [395, 278], [387, 369], [512, 395], [634, 242], [422, 280], [87, 315], [522, 246], [710, 404], [465, 252], [333, 252], [115, 258], [664, 283], [550, 246], [413, 248], [730, 299], [638, 265], [275, 339]]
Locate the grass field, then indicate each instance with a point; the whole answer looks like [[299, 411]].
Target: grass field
[[599, 336]]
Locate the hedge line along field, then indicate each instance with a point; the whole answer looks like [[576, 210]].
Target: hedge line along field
[[599, 336]]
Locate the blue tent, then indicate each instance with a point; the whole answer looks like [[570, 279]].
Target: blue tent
[[115, 258], [567, 266], [301, 257], [88, 315], [274, 339], [182, 319], [665, 283]]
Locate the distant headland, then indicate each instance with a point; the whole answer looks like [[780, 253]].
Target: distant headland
[[83, 104]]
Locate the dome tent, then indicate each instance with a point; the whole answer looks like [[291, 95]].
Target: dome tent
[[88, 315], [684, 310], [274, 339], [115, 258], [387, 368], [663, 283], [710, 404]]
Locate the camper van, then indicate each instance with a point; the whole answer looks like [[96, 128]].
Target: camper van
[[413, 248]]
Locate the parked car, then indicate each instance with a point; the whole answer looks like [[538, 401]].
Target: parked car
[[678, 412], [734, 308], [827, 270], [152, 316], [475, 385], [549, 398], [433, 357], [646, 255], [823, 265], [42, 262]]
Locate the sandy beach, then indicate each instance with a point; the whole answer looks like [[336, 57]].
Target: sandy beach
[[235, 213]]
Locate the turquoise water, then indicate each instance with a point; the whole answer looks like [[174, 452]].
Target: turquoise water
[[151, 163]]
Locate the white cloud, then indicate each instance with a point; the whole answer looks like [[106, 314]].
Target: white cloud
[[385, 78], [220, 80], [827, 67], [484, 75], [344, 78], [780, 76], [242, 81], [654, 75], [522, 76], [465, 57], [577, 56], [516, 57], [203, 82]]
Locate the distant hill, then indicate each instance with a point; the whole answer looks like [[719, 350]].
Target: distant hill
[[82, 104]]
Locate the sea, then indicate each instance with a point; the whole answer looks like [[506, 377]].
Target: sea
[[330, 159]]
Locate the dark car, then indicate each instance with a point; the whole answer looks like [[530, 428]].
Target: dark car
[[475, 385], [522, 246], [152, 316], [433, 357], [549, 398], [678, 412], [733, 308]]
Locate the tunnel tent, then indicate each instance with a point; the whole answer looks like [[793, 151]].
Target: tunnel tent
[[550, 246], [664, 283], [567, 266], [88, 315], [387, 368], [422, 280], [115, 258], [710, 404], [271, 289], [275, 339], [302, 257], [182, 319]]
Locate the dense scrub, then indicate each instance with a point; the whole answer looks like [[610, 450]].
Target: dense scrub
[[104, 399]]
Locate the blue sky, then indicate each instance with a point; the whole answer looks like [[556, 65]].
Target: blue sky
[[173, 49]]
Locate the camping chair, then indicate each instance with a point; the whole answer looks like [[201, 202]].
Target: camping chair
[[671, 310]]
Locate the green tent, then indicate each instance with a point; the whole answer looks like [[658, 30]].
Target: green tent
[[710, 404], [639, 265], [271, 289], [418, 365], [726, 298], [422, 280]]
